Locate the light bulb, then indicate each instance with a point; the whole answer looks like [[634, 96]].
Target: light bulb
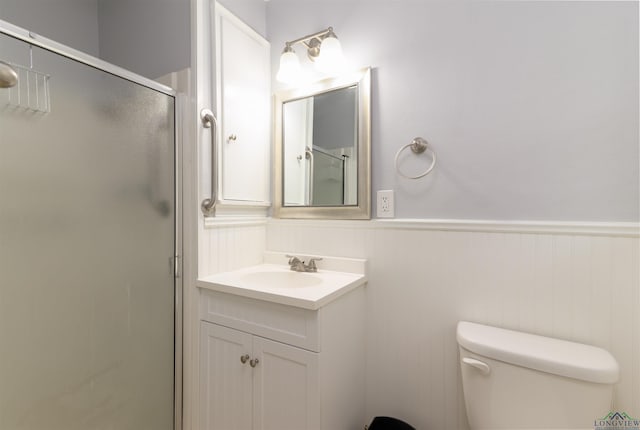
[[331, 59], [289, 71]]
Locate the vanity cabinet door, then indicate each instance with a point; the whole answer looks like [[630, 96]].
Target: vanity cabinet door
[[225, 382], [249, 382], [244, 106], [286, 389]]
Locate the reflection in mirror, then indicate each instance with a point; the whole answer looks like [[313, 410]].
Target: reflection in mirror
[[320, 153], [322, 150]]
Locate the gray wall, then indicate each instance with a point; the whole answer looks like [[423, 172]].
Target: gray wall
[[149, 37], [153, 37], [71, 22], [532, 107], [334, 116], [252, 12]]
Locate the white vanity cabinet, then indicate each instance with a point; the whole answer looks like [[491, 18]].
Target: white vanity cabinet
[[268, 366], [256, 383], [243, 89]]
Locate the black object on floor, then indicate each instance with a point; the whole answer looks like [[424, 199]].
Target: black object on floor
[[388, 423]]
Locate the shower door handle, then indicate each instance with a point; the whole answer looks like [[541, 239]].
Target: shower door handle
[[209, 121], [308, 154]]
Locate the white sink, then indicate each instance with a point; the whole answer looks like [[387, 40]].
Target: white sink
[[277, 283]]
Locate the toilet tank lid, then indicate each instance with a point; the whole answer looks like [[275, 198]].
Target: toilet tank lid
[[559, 357]]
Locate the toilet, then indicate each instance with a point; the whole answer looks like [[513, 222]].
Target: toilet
[[514, 380]]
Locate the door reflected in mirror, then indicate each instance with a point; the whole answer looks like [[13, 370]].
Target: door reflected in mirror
[[323, 150]]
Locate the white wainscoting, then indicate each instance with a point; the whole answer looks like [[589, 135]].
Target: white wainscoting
[[575, 281], [230, 244]]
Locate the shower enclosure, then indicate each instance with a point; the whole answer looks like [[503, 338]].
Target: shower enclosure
[[328, 178], [88, 244]]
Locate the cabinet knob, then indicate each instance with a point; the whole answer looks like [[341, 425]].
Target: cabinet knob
[[232, 138], [244, 358], [254, 362]]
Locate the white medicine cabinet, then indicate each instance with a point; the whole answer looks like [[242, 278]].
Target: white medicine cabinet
[[239, 58]]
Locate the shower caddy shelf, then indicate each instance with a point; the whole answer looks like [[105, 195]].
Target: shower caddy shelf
[[31, 93]]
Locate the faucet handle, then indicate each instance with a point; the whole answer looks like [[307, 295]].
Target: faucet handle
[[292, 259], [311, 267], [296, 264]]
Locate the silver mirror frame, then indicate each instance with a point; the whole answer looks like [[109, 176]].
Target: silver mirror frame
[[362, 210]]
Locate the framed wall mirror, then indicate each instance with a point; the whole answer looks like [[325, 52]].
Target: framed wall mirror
[[323, 149]]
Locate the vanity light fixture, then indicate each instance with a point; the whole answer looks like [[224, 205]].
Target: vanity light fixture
[[323, 48]]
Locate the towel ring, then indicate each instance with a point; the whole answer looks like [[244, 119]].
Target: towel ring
[[418, 145]]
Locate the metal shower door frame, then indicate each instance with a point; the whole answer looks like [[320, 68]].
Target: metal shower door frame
[[34, 39]]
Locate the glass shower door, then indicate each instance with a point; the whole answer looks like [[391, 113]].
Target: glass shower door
[[328, 179], [87, 234]]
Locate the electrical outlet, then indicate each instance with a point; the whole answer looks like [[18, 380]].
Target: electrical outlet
[[385, 206]]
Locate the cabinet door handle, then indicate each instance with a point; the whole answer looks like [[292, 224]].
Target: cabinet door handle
[[232, 138], [254, 362], [244, 358]]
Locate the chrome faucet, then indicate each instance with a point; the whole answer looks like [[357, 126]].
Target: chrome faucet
[[298, 265]]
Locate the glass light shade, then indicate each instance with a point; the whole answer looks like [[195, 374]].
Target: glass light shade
[[289, 70], [331, 59]]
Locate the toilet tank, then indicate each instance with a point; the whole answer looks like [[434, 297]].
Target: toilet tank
[[514, 380]]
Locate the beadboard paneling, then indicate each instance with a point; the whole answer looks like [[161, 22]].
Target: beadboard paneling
[[228, 246], [581, 283]]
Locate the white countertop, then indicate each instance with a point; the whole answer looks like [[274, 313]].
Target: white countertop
[[277, 283]]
